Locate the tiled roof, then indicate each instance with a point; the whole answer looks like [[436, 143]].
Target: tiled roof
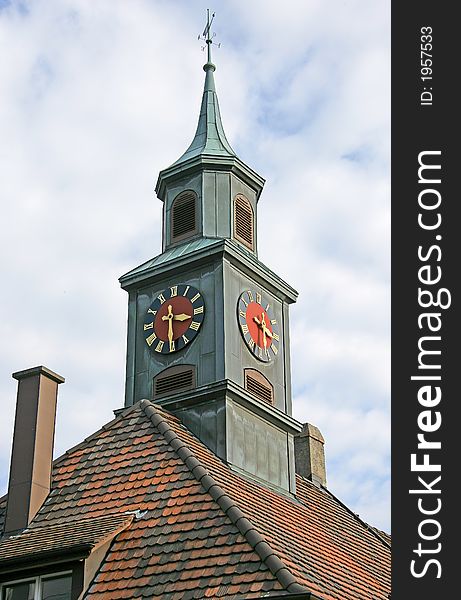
[[62, 536], [204, 531]]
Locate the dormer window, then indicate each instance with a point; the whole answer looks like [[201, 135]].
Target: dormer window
[[184, 216], [244, 221], [45, 587]]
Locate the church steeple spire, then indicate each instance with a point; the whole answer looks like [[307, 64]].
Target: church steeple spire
[[208, 192], [209, 137]]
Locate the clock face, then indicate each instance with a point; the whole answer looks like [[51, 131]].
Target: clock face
[[173, 319], [258, 325]]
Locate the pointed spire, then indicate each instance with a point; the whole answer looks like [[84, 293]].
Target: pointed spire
[[209, 137]]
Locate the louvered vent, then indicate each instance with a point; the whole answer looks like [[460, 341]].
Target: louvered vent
[[243, 221], [183, 216], [259, 386], [174, 379]]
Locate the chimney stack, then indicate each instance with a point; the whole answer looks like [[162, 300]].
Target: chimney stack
[[32, 455], [310, 455]]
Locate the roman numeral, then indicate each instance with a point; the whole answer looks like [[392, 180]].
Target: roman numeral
[[251, 343], [152, 312], [274, 349], [185, 340], [273, 321], [148, 326], [242, 314], [267, 307], [159, 346], [151, 339], [194, 325], [242, 299], [196, 297], [162, 298], [250, 296], [173, 291], [198, 310], [258, 298], [186, 290], [275, 337], [172, 348], [245, 329]]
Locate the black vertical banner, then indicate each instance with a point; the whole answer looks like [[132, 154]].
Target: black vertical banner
[[426, 358]]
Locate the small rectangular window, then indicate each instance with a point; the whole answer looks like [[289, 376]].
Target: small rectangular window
[[20, 591], [46, 587]]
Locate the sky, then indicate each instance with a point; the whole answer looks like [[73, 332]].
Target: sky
[[97, 97]]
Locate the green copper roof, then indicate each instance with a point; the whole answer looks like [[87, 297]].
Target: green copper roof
[[210, 137]]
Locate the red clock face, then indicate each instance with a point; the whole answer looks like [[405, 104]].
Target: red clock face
[[258, 325], [174, 318]]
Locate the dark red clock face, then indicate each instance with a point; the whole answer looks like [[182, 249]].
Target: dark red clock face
[[173, 319], [258, 326]]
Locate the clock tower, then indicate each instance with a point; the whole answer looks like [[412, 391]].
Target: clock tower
[[208, 333]]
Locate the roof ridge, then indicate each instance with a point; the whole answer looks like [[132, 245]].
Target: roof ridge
[[227, 505]]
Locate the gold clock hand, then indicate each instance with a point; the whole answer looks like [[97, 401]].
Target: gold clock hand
[[266, 329], [169, 317], [256, 320], [182, 317]]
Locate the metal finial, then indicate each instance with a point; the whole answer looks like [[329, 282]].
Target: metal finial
[[207, 36]]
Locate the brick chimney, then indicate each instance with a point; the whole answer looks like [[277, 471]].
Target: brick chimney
[[32, 455], [310, 455]]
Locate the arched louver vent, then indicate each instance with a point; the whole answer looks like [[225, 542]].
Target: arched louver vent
[[243, 221], [175, 379], [259, 386], [184, 216]]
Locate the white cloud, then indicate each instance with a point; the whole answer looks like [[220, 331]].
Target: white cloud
[[97, 97]]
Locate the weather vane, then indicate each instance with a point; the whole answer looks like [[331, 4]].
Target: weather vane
[[207, 36]]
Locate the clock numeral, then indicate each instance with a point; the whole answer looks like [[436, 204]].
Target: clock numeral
[[172, 347], [159, 346], [174, 291], [198, 310], [260, 352], [196, 297], [148, 326], [274, 322], [185, 340], [162, 298], [258, 298], [151, 339], [186, 290], [152, 312], [267, 307], [245, 329], [244, 301], [251, 343], [242, 314], [194, 325], [274, 349], [275, 337], [250, 296]]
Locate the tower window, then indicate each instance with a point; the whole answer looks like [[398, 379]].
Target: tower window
[[175, 379], [184, 216], [259, 386], [243, 221]]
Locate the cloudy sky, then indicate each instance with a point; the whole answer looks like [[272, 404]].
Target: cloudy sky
[[97, 97]]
